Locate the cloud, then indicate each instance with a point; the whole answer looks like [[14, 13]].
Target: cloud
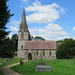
[[13, 28], [24, 0], [43, 13], [10, 35], [61, 38], [15, 23], [20, 5], [51, 31], [73, 28]]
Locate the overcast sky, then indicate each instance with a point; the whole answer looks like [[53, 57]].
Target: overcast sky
[[50, 19]]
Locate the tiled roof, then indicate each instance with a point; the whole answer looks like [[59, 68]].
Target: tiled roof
[[40, 45]]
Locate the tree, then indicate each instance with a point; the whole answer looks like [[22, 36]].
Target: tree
[[14, 38], [30, 37], [4, 18], [7, 49], [66, 50], [5, 44], [60, 41], [38, 38]]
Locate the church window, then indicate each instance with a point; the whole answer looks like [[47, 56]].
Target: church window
[[37, 52], [43, 53], [50, 52], [34, 53], [22, 47]]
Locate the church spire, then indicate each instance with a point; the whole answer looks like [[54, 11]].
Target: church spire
[[23, 25], [23, 20]]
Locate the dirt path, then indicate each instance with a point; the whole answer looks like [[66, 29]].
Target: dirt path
[[8, 71]]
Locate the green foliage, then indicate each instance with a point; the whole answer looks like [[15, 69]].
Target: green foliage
[[59, 41], [4, 18], [63, 67], [15, 40], [1, 72], [66, 50], [30, 37], [7, 49], [38, 38]]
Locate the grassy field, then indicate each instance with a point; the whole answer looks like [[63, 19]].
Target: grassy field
[[58, 67], [1, 72], [7, 63]]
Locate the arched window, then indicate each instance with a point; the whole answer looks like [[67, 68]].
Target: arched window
[[37, 52], [50, 52], [34, 53], [43, 53], [22, 47]]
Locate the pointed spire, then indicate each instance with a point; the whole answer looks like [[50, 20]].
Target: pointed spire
[[23, 20], [23, 25]]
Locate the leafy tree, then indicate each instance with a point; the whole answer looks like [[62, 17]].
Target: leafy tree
[[59, 41], [7, 49], [4, 18], [38, 38], [30, 37], [15, 40], [66, 50]]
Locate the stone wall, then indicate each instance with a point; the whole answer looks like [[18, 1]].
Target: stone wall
[[37, 54], [21, 54]]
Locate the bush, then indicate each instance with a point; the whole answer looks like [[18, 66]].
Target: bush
[[66, 50]]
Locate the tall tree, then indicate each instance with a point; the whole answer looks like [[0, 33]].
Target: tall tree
[[4, 18], [14, 38], [38, 38], [30, 37], [7, 49]]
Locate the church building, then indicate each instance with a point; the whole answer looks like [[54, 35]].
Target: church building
[[31, 50]]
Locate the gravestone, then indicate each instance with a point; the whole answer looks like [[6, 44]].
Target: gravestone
[[0, 60], [0, 63], [42, 68], [21, 62], [74, 60], [6, 60]]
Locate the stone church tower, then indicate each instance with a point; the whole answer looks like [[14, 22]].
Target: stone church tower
[[31, 50], [22, 36]]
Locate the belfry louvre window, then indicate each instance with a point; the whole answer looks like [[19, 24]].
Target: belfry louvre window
[[43, 53], [22, 47], [50, 52]]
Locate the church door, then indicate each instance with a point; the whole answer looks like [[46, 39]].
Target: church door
[[29, 56]]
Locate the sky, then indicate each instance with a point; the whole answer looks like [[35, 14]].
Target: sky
[[50, 19]]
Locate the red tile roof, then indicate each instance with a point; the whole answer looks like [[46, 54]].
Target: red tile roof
[[40, 45]]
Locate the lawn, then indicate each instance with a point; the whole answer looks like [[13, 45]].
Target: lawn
[[2, 60], [58, 67], [1, 72], [8, 63]]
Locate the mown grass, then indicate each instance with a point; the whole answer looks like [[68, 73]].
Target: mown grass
[[9, 63], [6, 63], [1, 72], [58, 67]]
